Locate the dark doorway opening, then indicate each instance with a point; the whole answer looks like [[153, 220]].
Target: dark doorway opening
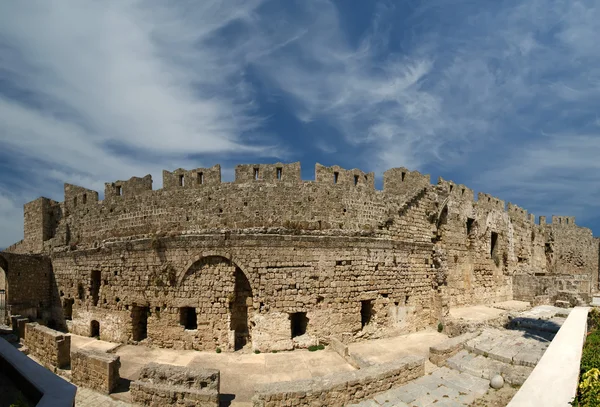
[[188, 318], [366, 312], [95, 286], [470, 222], [68, 308], [239, 308], [139, 322], [494, 244], [95, 329], [299, 323]]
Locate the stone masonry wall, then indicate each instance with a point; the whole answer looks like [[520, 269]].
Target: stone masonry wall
[[95, 370], [340, 389], [274, 261], [325, 277], [165, 385], [51, 348]]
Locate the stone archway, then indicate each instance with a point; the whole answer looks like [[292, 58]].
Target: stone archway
[[219, 294]]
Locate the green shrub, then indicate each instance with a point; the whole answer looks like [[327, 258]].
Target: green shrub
[[588, 394], [218, 350], [313, 348], [440, 327], [321, 346], [20, 402], [256, 351]]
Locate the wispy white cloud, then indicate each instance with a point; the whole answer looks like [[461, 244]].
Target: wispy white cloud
[[94, 91]]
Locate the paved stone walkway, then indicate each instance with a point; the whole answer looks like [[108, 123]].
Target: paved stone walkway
[[443, 388], [89, 398]]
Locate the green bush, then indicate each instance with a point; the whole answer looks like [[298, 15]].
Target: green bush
[[218, 350], [590, 357], [256, 351], [588, 394], [440, 327]]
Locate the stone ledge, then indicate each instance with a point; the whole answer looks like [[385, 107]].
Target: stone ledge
[[95, 370], [340, 389], [438, 354], [553, 381], [167, 385], [55, 391], [52, 348]]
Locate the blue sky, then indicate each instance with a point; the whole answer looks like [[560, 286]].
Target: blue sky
[[502, 96]]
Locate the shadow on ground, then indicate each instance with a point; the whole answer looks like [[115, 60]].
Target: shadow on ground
[[539, 329]]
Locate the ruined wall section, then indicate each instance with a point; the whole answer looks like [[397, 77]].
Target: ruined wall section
[[41, 221], [326, 277], [572, 250], [28, 285], [480, 245]]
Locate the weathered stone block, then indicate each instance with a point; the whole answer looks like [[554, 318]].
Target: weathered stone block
[[96, 370]]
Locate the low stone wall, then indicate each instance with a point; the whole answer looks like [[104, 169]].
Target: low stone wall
[[51, 348], [438, 354], [340, 389], [95, 370], [166, 385]]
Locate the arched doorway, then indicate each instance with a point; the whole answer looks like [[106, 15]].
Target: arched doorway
[[215, 300]]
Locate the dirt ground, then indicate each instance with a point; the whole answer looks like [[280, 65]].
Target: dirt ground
[[496, 398]]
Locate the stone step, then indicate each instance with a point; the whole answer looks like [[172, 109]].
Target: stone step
[[486, 368], [522, 348], [442, 388]]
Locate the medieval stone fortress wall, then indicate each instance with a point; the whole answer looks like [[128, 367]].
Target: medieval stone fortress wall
[[274, 262]]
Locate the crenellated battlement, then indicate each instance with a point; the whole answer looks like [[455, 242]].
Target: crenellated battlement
[[132, 187], [196, 178], [458, 192], [336, 175], [490, 202], [261, 195], [400, 180], [563, 220], [268, 172], [517, 213]]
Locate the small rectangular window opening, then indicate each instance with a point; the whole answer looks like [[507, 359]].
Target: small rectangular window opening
[[119, 190], [84, 199], [403, 175], [494, 243], [279, 173], [356, 180], [470, 225], [256, 173], [299, 323], [335, 177], [366, 312], [188, 318], [462, 192], [451, 188], [75, 201], [200, 178], [181, 180]]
